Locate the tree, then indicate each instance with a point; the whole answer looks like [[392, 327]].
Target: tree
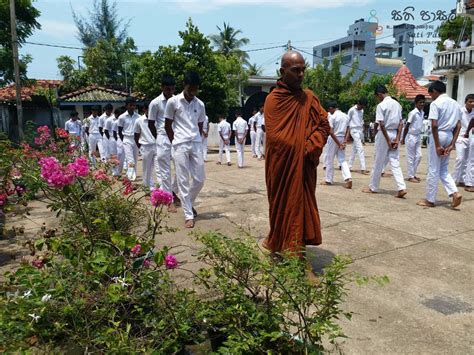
[[254, 69], [454, 28], [73, 78], [27, 23], [227, 43]]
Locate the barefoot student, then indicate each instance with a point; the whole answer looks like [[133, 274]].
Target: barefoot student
[[126, 130], [147, 142], [469, 179], [225, 131], [389, 117], [253, 131], [356, 124], [240, 133], [412, 138], [184, 117], [462, 143], [445, 116], [336, 146]]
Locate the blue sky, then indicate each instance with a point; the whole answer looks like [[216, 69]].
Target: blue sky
[[266, 23]]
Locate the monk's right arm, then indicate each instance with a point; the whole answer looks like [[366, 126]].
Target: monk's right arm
[[318, 137]]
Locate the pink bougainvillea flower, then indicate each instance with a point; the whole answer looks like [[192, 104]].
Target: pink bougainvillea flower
[[171, 262], [37, 263], [43, 135], [54, 173], [3, 199], [80, 166], [160, 197], [136, 250], [146, 263], [100, 175], [61, 133]]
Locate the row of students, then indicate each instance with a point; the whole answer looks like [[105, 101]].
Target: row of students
[[239, 130]]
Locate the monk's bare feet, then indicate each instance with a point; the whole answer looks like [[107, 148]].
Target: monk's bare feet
[[415, 181], [457, 199], [348, 184], [172, 208], [401, 194], [469, 189], [189, 223], [425, 203], [325, 183], [367, 190]]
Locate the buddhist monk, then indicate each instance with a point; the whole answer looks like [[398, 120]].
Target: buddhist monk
[[297, 130]]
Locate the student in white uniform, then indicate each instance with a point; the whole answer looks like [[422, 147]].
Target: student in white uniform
[[108, 113], [225, 133], [109, 135], [184, 116], [117, 170], [147, 143], [445, 117], [462, 144], [240, 129], [205, 133], [164, 157], [253, 131], [74, 127], [356, 124], [412, 138], [449, 43], [470, 164], [389, 117], [260, 144], [91, 127], [126, 127], [339, 123]]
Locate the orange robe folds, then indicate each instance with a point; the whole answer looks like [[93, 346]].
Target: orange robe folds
[[297, 129]]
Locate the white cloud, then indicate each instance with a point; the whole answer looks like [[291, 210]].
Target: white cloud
[[57, 29]]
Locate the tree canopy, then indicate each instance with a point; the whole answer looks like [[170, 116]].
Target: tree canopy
[[228, 43], [454, 28]]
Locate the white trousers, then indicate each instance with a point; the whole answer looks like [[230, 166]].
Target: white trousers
[[190, 174], [260, 143], [469, 177], [95, 141], [240, 148], [148, 164], [357, 148], [253, 141], [111, 147], [204, 148], [117, 170], [164, 156], [131, 157], [382, 153], [222, 147], [332, 152], [105, 146], [438, 168], [413, 153], [462, 154]]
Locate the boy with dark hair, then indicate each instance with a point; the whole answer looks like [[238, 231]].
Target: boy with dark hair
[[462, 143], [412, 138], [225, 133], [356, 125], [126, 126]]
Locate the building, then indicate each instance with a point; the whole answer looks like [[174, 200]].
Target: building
[[381, 58], [457, 65], [406, 84]]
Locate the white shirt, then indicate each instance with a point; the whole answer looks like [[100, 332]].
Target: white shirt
[[240, 127], [260, 120], [252, 121], [127, 122], [466, 117], [92, 123], [356, 118], [205, 125], [73, 127], [102, 119], [156, 112], [115, 125], [108, 123], [464, 44], [185, 116], [446, 111], [141, 127], [339, 122], [224, 129], [449, 44], [389, 112], [415, 119]]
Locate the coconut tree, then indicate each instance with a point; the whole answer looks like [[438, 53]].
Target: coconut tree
[[228, 43], [254, 69]]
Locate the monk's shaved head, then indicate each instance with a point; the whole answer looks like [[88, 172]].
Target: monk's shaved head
[[290, 57], [292, 69]]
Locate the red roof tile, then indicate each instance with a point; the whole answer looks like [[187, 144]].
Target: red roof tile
[[406, 83], [29, 89]]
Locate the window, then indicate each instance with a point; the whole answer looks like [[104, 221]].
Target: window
[[325, 52], [346, 60], [335, 49], [359, 45], [400, 52]]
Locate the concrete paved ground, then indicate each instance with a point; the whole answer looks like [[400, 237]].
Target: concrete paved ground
[[428, 254]]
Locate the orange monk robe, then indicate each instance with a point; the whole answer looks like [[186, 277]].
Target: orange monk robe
[[297, 129]]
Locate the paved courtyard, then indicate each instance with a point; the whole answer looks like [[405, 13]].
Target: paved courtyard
[[428, 254]]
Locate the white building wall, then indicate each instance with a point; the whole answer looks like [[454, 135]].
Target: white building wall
[[466, 85]]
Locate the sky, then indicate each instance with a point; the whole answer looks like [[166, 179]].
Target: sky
[[266, 23]]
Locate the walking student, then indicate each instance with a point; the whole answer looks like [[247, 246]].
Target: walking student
[[240, 133], [92, 130], [253, 131], [147, 143], [205, 133], [462, 143], [126, 130], [108, 113], [260, 144], [225, 132], [356, 124]]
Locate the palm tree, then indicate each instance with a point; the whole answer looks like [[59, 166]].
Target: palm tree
[[254, 69], [227, 43]]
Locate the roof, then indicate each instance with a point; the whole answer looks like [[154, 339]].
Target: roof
[[95, 94], [29, 89], [406, 83], [262, 80], [389, 62]]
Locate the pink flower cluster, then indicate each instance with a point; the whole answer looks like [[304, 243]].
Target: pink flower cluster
[[37, 263], [58, 175], [136, 250], [61, 133], [128, 186], [100, 175], [160, 197], [54, 173], [3, 199], [80, 167], [44, 135], [171, 262]]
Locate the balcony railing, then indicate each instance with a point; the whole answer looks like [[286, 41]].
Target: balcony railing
[[455, 59]]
